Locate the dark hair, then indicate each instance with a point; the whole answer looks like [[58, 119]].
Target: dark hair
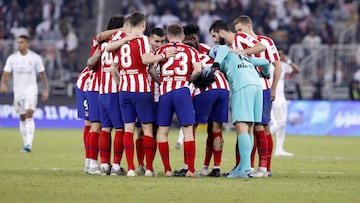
[[219, 25], [157, 31], [136, 18], [175, 30], [115, 22], [191, 29], [25, 37]]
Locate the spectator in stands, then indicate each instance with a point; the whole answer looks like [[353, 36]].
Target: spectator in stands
[[68, 46], [312, 38]]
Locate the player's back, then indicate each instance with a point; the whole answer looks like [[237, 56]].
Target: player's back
[[175, 71], [133, 71]]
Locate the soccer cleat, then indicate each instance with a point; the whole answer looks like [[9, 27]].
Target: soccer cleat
[[94, 171], [168, 174], [259, 173], [141, 169], [178, 145], [131, 173], [26, 149], [181, 172], [86, 169], [214, 173], [237, 173], [149, 173], [204, 171], [283, 153], [105, 171], [120, 172], [269, 173], [227, 173]]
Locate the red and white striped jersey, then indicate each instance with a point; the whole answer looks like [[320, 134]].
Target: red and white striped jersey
[[94, 82], [107, 82], [175, 71], [83, 78], [271, 53], [207, 61], [133, 72]]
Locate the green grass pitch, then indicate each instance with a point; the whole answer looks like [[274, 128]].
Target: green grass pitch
[[324, 169]]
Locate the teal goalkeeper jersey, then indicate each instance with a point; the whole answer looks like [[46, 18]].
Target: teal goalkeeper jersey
[[239, 69]]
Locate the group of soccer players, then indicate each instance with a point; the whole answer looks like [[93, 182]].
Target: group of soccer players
[[135, 81]]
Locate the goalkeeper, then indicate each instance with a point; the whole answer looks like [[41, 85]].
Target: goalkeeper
[[246, 100]]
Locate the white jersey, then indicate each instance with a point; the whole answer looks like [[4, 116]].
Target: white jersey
[[280, 89], [24, 69]]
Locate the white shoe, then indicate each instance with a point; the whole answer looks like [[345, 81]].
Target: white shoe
[[283, 153], [150, 173], [204, 171], [86, 169], [131, 173], [259, 173], [94, 170]]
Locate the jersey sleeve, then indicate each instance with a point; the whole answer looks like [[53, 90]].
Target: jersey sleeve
[[272, 51], [243, 40], [8, 65], [39, 64], [261, 62], [144, 45]]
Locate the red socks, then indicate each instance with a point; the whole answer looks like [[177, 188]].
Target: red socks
[[209, 149], [262, 145], [86, 136], [217, 153], [148, 144], [105, 147], [140, 151], [269, 152], [118, 146], [164, 153], [94, 145], [189, 152], [129, 149]]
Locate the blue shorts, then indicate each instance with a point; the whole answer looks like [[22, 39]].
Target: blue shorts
[[138, 124], [246, 104], [82, 104], [94, 109], [212, 105], [267, 104], [178, 101], [110, 113], [137, 105]]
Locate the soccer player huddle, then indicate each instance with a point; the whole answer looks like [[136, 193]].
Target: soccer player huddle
[[135, 83]]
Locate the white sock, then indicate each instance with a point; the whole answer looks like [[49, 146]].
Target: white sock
[[186, 166], [105, 166], [87, 162], [204, 166], [22, 128], [30, 130], [93, 163], [216, 167], [280, 139], [116, 167], [181, 137]]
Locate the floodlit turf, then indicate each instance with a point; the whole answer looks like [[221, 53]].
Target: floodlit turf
[[324, 169]]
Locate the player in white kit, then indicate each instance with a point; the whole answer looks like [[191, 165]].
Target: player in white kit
[[279, 106], [25, 65]]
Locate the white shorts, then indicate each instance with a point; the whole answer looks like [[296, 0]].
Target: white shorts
[[28, 103], [279, 111]]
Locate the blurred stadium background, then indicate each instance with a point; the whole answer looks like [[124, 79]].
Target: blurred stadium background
[[322, 37]]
